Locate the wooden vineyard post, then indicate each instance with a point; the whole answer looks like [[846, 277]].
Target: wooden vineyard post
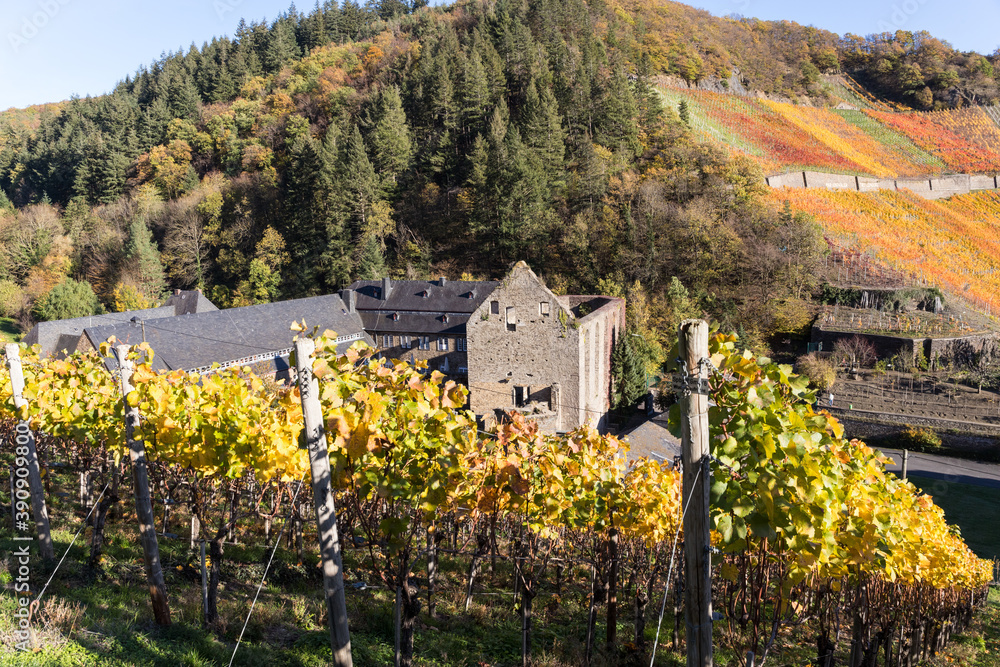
[[906, 461], [24, 438], [326, 512], [693, 340], [143, 501]]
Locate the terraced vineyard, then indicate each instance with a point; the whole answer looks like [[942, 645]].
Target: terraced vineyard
[[871, 140], [964, 139], [951, 243]]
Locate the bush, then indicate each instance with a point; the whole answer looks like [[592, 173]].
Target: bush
[[920, 438], [12, 298], [67, 300], [821, 372]]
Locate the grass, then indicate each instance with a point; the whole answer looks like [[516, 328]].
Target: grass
[[975, 509], [9, 333], [104, 619]]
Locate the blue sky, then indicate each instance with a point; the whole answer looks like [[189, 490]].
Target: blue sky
[[52, 49], [969, 25]]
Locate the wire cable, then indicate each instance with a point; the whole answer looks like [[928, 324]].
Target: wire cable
[[266, 569], [37, 600], [670, 570]]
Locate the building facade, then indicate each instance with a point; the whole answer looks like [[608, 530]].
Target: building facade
[[419, 320], [544, 355]]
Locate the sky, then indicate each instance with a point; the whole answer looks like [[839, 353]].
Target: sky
[[53, 49], [968, 25]]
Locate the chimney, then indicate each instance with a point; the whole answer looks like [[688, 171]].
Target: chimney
[[442, 280], [386, 288], [176, 292], [350, 299]]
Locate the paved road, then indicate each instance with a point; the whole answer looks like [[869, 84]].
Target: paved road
[[947, 468], [650, 438]]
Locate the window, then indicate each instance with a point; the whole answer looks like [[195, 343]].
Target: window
[[495, 307], [404, 342], [521, 396], [543, 307], [425, 342], [386, 341], [511, 318], [442, 343], [461, 345]]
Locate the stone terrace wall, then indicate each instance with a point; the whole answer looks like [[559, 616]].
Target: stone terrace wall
[[929, 188]]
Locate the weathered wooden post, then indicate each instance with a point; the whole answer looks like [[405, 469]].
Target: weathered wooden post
[[693, 340], [906, 461], [143, 501], [326, 513], [24, 440]]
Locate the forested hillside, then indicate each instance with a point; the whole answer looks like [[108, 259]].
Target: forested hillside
[[346, 143]]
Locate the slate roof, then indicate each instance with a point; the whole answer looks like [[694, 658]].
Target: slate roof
[[185, 302], [381, 322], [449, 296], [59, 335], [257, 335]]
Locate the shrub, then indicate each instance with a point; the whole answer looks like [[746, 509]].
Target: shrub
[[12, 298], [67, 300], [821, 372], [920, 438]]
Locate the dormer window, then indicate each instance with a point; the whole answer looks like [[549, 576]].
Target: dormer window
[[444, 318], [395, 317], [425, 294]]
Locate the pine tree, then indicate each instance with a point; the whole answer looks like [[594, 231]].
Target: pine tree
[[617, 125], [371, 263], [509, 213], [143, 259], [153, 124], [543, 132], [389, 136], [281, 46], [183, 100], [628, 378], [475, 91], [684, 112], [306, 209]]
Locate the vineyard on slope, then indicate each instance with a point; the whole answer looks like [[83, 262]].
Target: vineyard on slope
[[953, 244], [964, 139], [875, 142], [809, 524]]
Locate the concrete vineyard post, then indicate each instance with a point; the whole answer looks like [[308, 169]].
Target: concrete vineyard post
[[24, 437], [326, 512], [693, 340], [143, 501]]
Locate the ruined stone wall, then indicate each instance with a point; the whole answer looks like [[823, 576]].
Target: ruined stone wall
[[534, 352], [560, 361]]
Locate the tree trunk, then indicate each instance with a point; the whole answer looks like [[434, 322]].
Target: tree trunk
[[217, 549], [612, 588], [527, 595], [482, 542], [100, 517], [641, 600], [408, 624], [824, 650], [432, 566]]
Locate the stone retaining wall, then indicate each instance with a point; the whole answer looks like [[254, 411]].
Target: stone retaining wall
[[929, 188]]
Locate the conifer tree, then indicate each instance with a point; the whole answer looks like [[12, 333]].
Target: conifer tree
[[389, 136], [628, 378], [143, 259]]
